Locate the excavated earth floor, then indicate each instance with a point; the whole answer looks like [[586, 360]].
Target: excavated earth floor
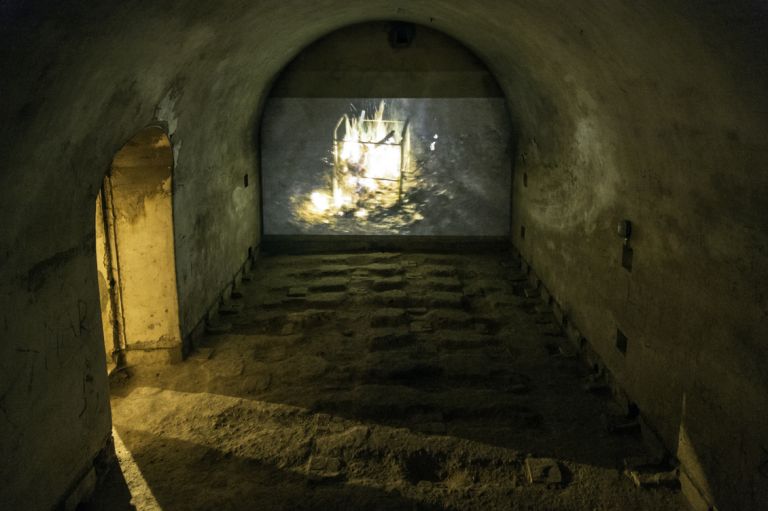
[[377, 382]]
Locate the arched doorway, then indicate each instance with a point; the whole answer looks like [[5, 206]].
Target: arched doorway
[[135, 253]]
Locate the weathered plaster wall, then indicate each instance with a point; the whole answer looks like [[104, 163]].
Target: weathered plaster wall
[[141, 215], [359, 62], [654, 111], [108, 297], [668, 131], [74, 91]]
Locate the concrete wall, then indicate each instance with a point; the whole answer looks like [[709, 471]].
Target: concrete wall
[[359, 62], [74, 91], [109, 298], [140, 216], [666, 130], [652, 111]]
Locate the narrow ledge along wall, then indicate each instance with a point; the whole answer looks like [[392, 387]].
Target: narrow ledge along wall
[[696, 495], [652, 112]]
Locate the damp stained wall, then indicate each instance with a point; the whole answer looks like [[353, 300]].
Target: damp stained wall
[[654, 112]]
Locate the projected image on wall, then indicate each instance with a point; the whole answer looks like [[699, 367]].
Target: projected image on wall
[[370, 162], [389, 166]]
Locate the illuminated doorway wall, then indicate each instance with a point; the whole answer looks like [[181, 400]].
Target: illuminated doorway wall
[[135, 254]]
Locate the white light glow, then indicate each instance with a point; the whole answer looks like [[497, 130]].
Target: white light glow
[[320, 201], [368, 162]]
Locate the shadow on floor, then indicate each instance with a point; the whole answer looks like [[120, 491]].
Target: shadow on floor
[[225, 482], [530, 409], [111, 493], [431, 381]]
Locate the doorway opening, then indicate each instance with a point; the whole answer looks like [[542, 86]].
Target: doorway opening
[[135, 254]]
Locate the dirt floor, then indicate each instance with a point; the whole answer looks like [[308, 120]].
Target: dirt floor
[[378, 382]]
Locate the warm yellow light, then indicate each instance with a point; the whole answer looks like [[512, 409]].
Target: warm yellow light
[[341, 199], [368, 161], [370, 147]]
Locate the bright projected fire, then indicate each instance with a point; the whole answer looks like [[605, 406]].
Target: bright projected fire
[[392, 166], [370, 158]]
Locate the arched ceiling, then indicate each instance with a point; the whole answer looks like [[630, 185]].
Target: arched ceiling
[[590, 87], [573, 71], [655, 110]]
